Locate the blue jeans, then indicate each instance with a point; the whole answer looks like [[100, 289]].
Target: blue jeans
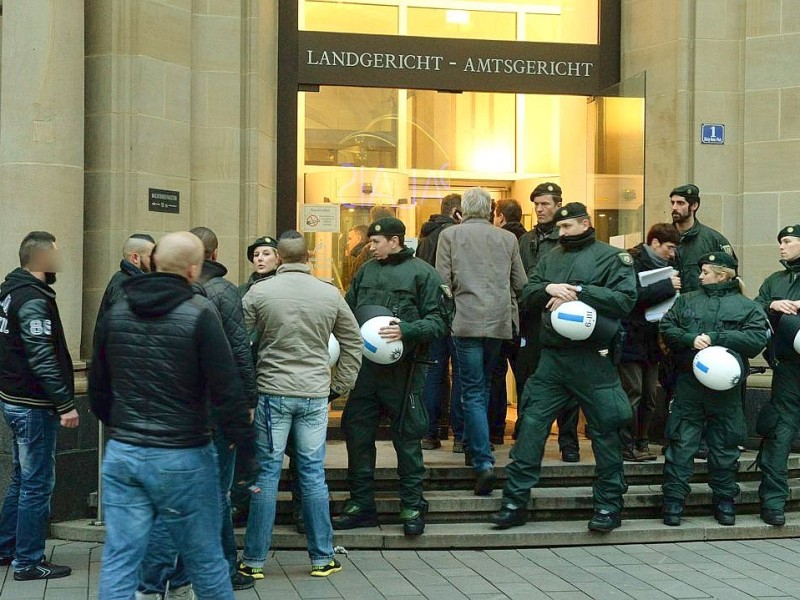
[[162, 563], [180, 486], [26, 510], [306, 420], [476, 359], [437, 384]]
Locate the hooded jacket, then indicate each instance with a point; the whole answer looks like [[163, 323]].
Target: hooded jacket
[[160, 356], [114, 289], [429, 237], [35, 364], [224, 295], [515, 227]]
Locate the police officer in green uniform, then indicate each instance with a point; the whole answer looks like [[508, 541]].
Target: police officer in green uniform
[[413, 291], [779, 419], [717, 314], [533, 246], [581, 268]]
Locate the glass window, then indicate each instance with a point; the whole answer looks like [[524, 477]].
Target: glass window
[[349, 17], [564, 22], [466, 24], [472, 131], [351, 127]]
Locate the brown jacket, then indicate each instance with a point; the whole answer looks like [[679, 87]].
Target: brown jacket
[[292, 316], [482, 266]]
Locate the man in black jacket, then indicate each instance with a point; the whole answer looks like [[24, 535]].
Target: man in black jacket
[[136, 255], [641, 353], [160, 566], [37, 391], [160, 460]]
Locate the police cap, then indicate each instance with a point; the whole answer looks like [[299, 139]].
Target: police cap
[[790, 231], [572, 210], [387, 226], [688, 191], [547, 189], [720, 259], [264, 240]]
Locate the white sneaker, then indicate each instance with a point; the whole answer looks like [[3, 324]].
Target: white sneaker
[[143, 596], [181, 593]]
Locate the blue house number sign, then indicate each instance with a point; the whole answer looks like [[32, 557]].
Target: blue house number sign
[[712, 133]]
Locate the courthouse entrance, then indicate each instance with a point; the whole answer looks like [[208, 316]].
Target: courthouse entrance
[[389, 105]]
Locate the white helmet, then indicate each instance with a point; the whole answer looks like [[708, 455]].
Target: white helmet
[[574, 320], [716, 368], [333, 351], [377, 349]]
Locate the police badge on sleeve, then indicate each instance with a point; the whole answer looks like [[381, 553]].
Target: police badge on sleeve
[[625, 258]]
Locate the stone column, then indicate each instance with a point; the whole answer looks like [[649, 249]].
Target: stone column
[[41, 146]]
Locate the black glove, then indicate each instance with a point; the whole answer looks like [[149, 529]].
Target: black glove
[[248, 466], [333, 395]]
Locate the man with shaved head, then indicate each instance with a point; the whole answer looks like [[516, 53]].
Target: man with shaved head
[[293, 316], [136, 259], [160, 459]]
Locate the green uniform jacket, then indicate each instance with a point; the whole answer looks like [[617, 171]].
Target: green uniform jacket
[[696, 243], [605, 273], [720, 311], [535, 245], [407, 286], [781, 285]]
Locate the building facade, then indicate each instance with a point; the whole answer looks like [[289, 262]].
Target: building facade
[[250, 117]]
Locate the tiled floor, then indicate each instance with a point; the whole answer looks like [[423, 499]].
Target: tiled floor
[[735, 570]]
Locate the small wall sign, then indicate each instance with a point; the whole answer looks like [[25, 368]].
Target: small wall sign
[[166, 201], [712, 133]]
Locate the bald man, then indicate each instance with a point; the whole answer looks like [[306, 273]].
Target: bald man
[[159, 357], [136, 254]]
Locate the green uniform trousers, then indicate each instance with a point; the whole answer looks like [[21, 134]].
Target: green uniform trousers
[[563, 376], [778, 423], [694, 408], [381, 389]]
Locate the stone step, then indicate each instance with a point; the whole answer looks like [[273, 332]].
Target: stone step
[[547, 504], [482, 535], [446, 471]]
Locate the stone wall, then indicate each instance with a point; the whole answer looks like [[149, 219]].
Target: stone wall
[[731, 62], [180, 96]]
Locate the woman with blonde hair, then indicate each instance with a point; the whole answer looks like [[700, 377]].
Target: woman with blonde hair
[[717, 314]]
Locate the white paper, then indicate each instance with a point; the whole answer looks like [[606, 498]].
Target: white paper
[[646, 278], [656, 312]]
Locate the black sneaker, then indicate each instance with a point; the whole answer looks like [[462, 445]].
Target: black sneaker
[[773, 516], [604, 521], [324, 570], [44, 570], [485, 482], [570, 455], [353, 517], [251, 572], [240, 581], [430, 443]]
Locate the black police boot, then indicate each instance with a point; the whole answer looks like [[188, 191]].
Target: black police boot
[[725, 511], [672, 511], [604, 521], [570, 455], [509, 516], [353, 517], [773, 516], [414, 519]]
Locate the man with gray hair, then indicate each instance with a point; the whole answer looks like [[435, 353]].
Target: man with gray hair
[[136, 259], [482, 266], [293, 316]]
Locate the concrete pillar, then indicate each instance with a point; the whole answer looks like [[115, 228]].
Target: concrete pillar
[[41, 146]]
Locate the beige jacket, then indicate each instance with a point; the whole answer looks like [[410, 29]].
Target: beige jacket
[[482, 266], [291, 317]]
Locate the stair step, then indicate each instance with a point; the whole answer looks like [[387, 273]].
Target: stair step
[[546, 503], [482, 535]]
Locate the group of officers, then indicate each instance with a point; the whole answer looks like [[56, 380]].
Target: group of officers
[[611, 376]]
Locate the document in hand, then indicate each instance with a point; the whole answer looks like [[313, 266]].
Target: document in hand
[[655, 312]]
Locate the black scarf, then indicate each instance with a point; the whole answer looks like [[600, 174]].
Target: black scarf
[[576, 242]]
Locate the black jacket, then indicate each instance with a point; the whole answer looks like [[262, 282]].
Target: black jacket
[[429, 237], [114, 289], [515, 227], [225, 297], [640, 343], [160, 354], [35, 365]]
